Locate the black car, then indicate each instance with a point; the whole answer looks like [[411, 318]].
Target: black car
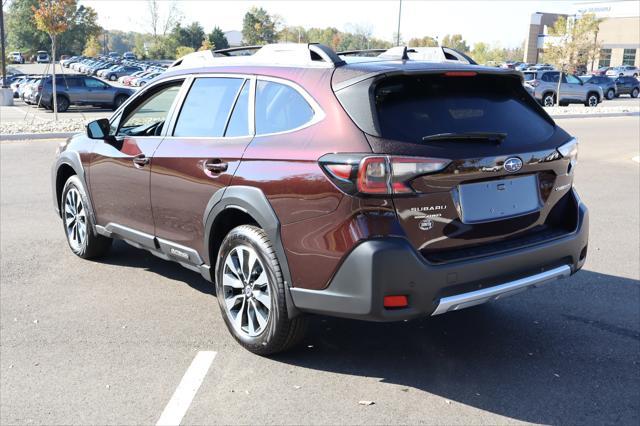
[[82, 90], [628, 86], [607, 84]]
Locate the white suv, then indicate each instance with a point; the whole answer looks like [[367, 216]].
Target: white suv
[[16, 57], [623, 71]]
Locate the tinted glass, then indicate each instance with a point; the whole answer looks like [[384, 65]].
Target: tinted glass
[[410, 108], [239, 121], [92, 83], [148, 117], [280, 108], [528, 76], [207, 106], [550, 77]]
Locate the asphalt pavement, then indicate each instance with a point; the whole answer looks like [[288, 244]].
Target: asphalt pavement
[[108, 342]]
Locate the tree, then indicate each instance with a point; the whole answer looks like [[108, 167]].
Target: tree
[[258, 27], [92, 48], [218, 39], [455, 41], [52, 17], [206, 45], [183, 51], [426, 41], [572, 44], [22, 34]]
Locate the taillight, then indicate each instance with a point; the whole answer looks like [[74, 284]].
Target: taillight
[[377, 174]]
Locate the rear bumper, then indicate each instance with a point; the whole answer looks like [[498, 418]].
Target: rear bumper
[[391, 266]]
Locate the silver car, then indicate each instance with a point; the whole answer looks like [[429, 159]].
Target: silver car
[[543, 85]]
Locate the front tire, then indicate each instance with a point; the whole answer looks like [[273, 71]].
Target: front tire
[[548, 100], [635, 93], [119, 100], [113, 77], [251, 293], [592, 100], [78, 223], [62, 103]]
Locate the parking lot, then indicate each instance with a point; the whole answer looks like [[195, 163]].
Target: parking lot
[[109, 341]]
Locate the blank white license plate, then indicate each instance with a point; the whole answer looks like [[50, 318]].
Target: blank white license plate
[[499, 199]]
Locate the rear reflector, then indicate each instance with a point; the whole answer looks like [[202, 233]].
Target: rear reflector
[[396, 302], [460, 73]]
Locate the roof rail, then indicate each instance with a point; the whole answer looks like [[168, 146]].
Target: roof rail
[[283, 54], [362, 52], [433, 54], [229, 50], [396, 53]]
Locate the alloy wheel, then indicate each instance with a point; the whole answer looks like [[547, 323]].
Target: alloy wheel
[[593, 100], [75, 219], [247, 292], [548, 101]]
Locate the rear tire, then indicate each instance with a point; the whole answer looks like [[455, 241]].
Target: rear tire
[[78, 223], [611, 94], [251, 293], [63, 103]]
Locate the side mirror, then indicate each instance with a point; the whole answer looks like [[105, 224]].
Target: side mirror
[[99, 129]]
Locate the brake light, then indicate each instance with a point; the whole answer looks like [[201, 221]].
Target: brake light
[[377, 174], [460, 73]]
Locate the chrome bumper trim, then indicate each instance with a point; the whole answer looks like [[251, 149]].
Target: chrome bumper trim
[[465, 300]]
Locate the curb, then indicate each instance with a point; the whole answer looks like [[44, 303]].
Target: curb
[[35, 136], [604, 114]]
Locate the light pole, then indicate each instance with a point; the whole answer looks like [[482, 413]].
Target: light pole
[[399, 15]]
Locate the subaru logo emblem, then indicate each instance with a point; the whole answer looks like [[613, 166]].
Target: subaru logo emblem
[[512, 164]]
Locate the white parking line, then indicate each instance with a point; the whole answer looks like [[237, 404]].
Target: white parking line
[[181, 400]]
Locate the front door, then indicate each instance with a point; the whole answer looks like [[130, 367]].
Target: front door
[[97, 91], [198, 157], [119, 172]]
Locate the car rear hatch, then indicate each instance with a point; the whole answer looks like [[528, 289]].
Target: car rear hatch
[[473, 165]]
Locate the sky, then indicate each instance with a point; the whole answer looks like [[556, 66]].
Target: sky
[[502, 22]]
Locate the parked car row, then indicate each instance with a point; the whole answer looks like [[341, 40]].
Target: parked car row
[[587, 90], [71, 89], [621, 71], [114, 68]]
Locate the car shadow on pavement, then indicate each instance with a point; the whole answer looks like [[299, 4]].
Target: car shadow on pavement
[[545, 356], [122, 254]]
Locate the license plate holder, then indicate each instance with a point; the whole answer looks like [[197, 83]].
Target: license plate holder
[[499, 199]]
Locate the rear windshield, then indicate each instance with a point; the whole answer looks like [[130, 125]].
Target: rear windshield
[[412, 107]]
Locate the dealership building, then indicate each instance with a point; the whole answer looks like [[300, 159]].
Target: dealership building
[[618, 35]]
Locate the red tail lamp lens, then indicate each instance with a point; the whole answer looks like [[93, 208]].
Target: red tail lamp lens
[[396, 302], [341, 171], [373, 176], [461, 73]]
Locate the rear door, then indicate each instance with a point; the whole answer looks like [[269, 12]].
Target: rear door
[[493, 188], [199, 156]]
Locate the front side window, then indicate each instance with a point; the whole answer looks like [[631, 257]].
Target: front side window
[[280, 108], [572, 79], [150, 112], [207, 107]]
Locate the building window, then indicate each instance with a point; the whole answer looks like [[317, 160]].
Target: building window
[[605, 58], [629, 57]]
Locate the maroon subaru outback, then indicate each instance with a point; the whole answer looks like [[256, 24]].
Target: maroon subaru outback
[[300, 181]]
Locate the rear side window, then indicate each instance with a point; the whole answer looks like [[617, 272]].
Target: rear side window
[[206, 108], [550, 77], [280, 108], [412, 107]]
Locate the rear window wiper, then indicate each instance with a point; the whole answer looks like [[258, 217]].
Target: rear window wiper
[[495, 137]]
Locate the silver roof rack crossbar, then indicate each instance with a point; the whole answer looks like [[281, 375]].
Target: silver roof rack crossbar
[[282, 54], [433, 54]]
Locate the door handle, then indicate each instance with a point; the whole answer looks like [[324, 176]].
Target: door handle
[[140, 160], [216, 166]]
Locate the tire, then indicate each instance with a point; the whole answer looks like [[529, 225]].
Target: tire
[[635, 75], [244, 302], [611, 94], [548, 100], [119, 100], [635, 92], [592, 100], [113, 77], [77, 222], [63, 103]]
